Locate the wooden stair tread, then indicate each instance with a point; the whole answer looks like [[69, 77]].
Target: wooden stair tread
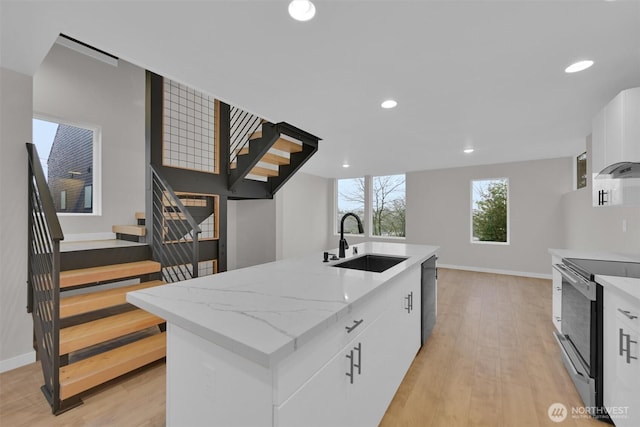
[[133, 230], [271, 158], [260, 171], [175, 216], [140, 215], [281, 144], [87, 334], [85, 303], [90, 372], [85, 276]]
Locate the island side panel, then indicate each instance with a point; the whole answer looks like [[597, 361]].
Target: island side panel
[[209, 385]]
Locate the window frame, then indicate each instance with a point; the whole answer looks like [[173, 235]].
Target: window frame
[[96, 167], [368, 209], [486, 242]]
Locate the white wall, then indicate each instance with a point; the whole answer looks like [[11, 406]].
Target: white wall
[[439, 205], [589, 228], [15, 129], [73, 87], [302, 215], [294, 223]]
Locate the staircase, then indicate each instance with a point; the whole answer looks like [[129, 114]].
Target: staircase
[[271, 153], [101, 336], [86, 333]]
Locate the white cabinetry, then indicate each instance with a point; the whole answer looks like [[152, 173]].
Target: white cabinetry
[[556, 295], [616, 131], [615, 137], [356, 386], [621, 357]]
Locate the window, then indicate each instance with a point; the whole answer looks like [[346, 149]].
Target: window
[[379, 201], [388, 206], [490, 211], [350, 198], [68, 156], [581, 170]]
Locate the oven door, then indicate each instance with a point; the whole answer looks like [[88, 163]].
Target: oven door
[[578, 339]]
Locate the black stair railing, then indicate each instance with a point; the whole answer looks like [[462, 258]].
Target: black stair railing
[[43, 277], [174, 233], [241, 125]]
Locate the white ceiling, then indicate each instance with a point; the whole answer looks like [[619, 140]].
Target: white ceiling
[[487, 74]]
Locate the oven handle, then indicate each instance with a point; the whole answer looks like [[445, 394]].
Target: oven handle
[[564, 271], [578, 282]]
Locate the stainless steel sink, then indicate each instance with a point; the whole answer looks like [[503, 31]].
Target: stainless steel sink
[[375, 263]]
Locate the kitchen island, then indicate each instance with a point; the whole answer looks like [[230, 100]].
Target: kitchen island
[[289, 343]]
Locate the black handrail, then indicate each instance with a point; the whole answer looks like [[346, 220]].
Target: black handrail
[[175, 232], [242, 125], [43, 276]]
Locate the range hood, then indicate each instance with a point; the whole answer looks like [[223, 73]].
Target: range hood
[[620, 170]]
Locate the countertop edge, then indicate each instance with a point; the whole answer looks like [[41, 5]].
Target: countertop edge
[[627, 285], [596, 255]]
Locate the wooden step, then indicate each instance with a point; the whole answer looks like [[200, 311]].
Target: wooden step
[[133, 230], [105, 273], [85, 303], [140, 215], [88, 373], [281, 143], [175, 216], [87, 334], [270, 158], [260, 171]]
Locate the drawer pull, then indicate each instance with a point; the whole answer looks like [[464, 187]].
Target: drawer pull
[[628, 314], [350, 373], [358, 348], [629, 341], [356, 323]]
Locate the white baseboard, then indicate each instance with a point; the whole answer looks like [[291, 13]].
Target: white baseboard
[[84, 237], [18, 361], [497, 271]]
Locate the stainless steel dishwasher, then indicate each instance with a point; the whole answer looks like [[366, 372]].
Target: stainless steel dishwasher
[[429, 290]]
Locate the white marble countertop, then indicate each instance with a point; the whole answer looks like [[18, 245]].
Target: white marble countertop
[[265, 312], [586, 254], [627, 285]]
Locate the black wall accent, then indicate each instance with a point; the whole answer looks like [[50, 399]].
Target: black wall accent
[[195, 181]]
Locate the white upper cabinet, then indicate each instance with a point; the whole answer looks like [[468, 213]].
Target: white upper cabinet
[[616, 131], [615, 137]]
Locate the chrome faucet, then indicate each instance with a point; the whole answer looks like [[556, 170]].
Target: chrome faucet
[[343, 242]]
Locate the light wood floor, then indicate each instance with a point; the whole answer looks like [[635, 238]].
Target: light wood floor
[[491, 361]]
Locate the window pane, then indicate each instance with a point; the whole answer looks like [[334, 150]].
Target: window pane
[[489, 210], [389, 205], [66, 155], [350, 199]]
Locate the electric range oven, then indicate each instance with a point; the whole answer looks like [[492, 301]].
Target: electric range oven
[[581, 340]]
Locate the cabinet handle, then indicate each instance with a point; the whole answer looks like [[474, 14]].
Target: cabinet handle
[[356, 323], [628, 314], [558, 288], [411, 300], [350, 373], [407, 306], [358, 348], [558, 318], [629, 341]]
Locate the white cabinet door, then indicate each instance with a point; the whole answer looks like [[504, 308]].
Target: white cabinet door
[[621, 356], [322, 401], [387, 349]]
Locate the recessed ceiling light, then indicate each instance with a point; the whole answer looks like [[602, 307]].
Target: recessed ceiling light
[[468, 150], [302, 10], [345, 165], [578, 66], [389, 103]]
